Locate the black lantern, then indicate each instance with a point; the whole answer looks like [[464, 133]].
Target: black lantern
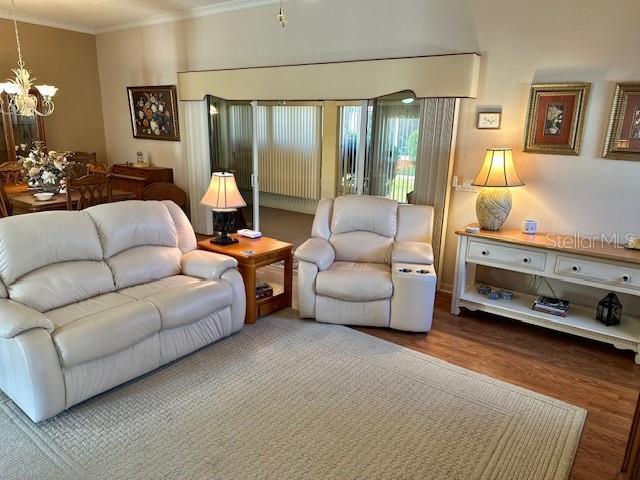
[[610, 310]]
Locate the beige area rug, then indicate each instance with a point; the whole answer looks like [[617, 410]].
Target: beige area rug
[[290, 399]]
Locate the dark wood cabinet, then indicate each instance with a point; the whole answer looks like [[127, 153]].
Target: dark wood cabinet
[[133, 179]]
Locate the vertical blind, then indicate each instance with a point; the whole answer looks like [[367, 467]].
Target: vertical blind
[[289, 148], [432, 173]]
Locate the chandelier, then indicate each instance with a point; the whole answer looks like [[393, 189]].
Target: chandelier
[[19, 89], [282, 16]]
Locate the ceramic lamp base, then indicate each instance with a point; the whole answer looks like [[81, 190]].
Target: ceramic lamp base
[[492, 207]]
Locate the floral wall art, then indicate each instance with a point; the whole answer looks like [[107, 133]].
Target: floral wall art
[[154, 112]]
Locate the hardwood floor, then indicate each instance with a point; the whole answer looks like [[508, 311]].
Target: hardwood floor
[[598, 378]]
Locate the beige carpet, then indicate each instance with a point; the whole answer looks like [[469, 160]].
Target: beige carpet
[[287, 399]]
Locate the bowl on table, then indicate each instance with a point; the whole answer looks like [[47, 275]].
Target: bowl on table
[[43, 196]]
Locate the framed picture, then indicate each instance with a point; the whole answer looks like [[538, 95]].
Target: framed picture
[[154, 112], [555, 118], [489, 120], [623, 135]]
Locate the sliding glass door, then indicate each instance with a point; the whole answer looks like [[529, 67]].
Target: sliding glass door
[[378, 148], [286, 163]]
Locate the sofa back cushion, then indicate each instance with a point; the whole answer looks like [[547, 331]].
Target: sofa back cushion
[[30, 242], [353, 213], [62, 284], [186, 236], [134, 223], [144, 264], [363, 228]]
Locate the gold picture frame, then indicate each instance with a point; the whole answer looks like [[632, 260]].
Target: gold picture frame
[[623, 133], [555, 118]]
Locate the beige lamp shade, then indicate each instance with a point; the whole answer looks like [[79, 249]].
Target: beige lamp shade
[[223, 193], [498, 170]]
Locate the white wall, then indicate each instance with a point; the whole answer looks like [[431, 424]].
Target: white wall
[[522, 41]]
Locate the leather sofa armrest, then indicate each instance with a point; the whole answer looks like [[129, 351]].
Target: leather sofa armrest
[[207, 265], [317, 251], [16, 318], [412, 252]]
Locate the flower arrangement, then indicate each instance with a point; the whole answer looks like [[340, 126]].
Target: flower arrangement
[[44, 169]]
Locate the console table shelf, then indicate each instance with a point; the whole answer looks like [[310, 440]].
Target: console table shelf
[[605, 267]]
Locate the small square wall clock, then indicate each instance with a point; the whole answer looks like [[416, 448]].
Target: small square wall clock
[[489, 120]]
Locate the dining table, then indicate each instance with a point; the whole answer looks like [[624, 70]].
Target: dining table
[[23, 201]]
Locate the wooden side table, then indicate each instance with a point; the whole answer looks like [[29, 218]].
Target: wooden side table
[[251, 254]]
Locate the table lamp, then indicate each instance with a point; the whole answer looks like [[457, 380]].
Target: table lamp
[[497, 175], [224, 199]]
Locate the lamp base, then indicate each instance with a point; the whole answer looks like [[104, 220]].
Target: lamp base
[[223, 222], [492, 207], [223, 240]]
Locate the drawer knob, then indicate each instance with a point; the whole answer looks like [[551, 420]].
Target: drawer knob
[[485, 252], [575, 268], [626, 278], [526, 259]]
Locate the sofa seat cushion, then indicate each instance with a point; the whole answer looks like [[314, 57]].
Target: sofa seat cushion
[[355, 282], [190, 303], [70, 313], [105, 333], [147, 289]]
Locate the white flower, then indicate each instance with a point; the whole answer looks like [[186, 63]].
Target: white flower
[[52, 153], [34, 172], [48, 178]]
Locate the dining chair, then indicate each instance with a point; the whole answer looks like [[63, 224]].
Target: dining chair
[[165, 191], [99, 169], [5, 204], [89, 190], [11, 173], [76, 170]]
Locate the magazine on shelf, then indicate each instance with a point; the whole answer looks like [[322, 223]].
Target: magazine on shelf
[[554, 306]]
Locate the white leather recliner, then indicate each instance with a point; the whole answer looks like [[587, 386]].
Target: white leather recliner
[[93, 299], [369, 262]]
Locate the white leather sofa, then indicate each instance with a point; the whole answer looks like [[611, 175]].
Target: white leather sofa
[[369, 262], [92, 299]]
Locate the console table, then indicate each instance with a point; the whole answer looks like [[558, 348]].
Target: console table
[[134, 179], [595, 264]]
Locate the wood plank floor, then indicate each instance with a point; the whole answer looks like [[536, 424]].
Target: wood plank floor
[[596, 377]]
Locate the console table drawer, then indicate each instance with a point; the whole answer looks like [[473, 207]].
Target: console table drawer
[[507, 256], [599, 272]]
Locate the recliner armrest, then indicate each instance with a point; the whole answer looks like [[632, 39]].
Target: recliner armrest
[[207, 265], [412, 252], [16, 318], [318, 251]]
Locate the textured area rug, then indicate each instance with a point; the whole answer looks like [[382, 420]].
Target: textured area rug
[[290, 399]]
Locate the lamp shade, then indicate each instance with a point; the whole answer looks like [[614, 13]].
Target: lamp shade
[[223, 193], [498, 170]]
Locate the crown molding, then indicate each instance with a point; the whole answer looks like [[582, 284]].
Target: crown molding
[[8, 15], [216, 8], [222, 7]]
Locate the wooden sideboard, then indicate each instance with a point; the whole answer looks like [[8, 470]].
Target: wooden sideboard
[[135, 179], [566, 258]]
